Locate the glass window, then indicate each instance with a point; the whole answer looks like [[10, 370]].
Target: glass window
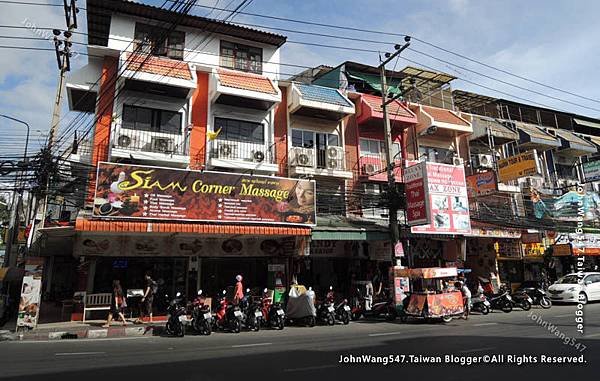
[[296, 138], [436, 155], [147, 119], [240, 131], [396, 151], [151, 39], [371, 147], [364, 146], [170, 122], [333, 140], [241, 57], [308, 139]]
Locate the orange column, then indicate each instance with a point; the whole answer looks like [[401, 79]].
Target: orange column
[[104, 111], [281, 132], [351, 141], [199, 123]]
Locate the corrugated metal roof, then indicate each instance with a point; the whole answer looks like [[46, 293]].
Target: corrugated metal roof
[[323, 94], [99, 11]]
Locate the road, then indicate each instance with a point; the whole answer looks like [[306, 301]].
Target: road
[[303, 353]]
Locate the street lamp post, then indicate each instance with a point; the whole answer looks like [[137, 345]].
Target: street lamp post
[[14, 221]]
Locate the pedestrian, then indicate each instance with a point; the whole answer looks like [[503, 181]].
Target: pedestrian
[[368, 296], [148, 298], [377, 282], [117, 305], [239, 290], [466, 295]]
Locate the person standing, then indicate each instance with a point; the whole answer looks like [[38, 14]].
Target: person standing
[[117, 305], [368, 296], [238, 294], [466, 295], [150, 289]]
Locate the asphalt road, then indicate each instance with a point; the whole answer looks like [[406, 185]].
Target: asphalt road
[[303, 353]]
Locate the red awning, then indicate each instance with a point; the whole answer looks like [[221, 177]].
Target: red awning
[[370, 108], [159, 66], [246, 81]]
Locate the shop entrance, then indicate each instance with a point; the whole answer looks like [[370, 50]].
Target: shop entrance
[[218, 274]]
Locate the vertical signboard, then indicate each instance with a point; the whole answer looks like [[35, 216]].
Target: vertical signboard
[[591, 170], [446, 200], [31, 290], [417, 210]]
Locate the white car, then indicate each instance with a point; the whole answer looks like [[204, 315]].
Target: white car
[[568, 288]]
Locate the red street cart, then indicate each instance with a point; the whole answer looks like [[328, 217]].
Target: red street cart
[[433, 295]]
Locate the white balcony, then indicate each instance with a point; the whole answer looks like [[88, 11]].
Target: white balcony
[[148, 146], [245, 155], [323, 162]]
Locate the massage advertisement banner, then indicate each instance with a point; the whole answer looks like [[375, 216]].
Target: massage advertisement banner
[[446, 195], [144, 192], [31, 291], [417, 209]]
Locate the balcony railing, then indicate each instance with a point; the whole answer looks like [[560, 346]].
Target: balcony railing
[[374, 167], [150, 141], [241, 151], [330, 158]]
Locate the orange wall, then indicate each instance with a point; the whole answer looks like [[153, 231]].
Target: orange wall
[[104, 113], [199, 123], [281, 134]]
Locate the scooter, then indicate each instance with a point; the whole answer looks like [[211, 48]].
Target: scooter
[[177, 316], [201, 315], [502, 301], [342, 309], [326, 310], [273, 314], [538, 296], [251, 309], [383, 308], [228, 316], [480, 304], [522, 299]]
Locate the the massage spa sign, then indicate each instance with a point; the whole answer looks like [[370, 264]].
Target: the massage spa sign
[[144, 192]]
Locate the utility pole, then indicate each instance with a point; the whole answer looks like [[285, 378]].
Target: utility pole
[[393, 197]]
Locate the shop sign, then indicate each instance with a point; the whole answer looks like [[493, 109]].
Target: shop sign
[[518, 166], [398, 250], [144, 192], [582, 244], [591, 170], [417, 208], [494, 232], [273, 268], [334, 249], [447, 201], [481, 184], [531, 237], [380, 250], [571, 206], [31, 291], [563, 250], [533, 250], [509, 248]]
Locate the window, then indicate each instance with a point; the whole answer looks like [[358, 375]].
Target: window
[[436, 155], [370, 147], [241, 57], [320, 141], [155, 120], [153, 40], [240, 131]]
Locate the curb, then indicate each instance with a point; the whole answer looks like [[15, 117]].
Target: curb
[[81, 333]]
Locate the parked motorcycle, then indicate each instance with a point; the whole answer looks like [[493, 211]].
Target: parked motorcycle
[[382, 308], [537, 294], [326, 310], [228, 317], [201, 315], [342, 309], [251, 308], [177, 316], [479, 303], [273, 314], [522, 300], [501, 301]]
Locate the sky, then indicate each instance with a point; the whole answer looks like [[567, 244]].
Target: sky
[[554, 43]]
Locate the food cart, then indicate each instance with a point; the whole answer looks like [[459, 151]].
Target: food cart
[[432, 294]]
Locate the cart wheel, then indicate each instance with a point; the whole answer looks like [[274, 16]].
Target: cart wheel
[[392, 314], [446, 319], [311, 321], [403, 318]]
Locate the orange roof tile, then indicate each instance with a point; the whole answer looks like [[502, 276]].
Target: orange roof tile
[[159, 65], [246, 81], [443, 115], [83, 224], [396, 108]]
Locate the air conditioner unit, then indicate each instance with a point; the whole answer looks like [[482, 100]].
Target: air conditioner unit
[[161, 144], [533, 182], [227, 150], [483, 161], [126, 141], [336, 153], [457, 161], [302, 157], [370, 169], [258, 156]]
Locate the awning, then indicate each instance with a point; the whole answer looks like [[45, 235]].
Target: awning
[[86, 225], [532, 136], [82, 86], [498, 131], [586, 123], [572, 144], [319, 102], [11, 274], [441, 122], [595, 140], [238, 88], [374, 81], [167, 74], [370, 108], [347, 229]]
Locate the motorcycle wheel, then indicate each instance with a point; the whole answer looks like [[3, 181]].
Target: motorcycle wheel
[[169, 328], [257, 325], [506, 307], [280, 324], [311, 321], [392, 314], [356, 315], [346, 318], [403, 318], [485, 310], [545, 302], [446, 318], [330, 319], [206, 328], [525, 305], [179, 330], [236, 326]]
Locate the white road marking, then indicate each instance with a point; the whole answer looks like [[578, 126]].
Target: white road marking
[[310, 368], [477, 350], [79, 353], [386, 333], [80, 340], [250, 345], [565, 315], [592, 335], [482, 324]]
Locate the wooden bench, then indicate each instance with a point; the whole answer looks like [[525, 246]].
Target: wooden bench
[[96, 302]]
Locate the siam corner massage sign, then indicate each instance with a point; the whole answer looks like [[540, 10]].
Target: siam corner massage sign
[[145, 192]]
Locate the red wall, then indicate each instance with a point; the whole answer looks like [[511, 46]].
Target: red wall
[[281, 134], [199, 123]]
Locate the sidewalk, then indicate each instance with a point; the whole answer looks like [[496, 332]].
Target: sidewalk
[[92, 329]]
